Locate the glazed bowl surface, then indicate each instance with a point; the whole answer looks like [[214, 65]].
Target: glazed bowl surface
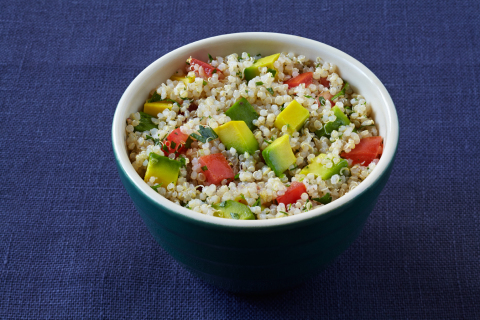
[[255, 256]]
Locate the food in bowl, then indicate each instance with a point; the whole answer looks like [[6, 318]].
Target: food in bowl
[[252, 137]]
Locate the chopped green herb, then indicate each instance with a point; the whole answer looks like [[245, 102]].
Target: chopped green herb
[[242, 196], [156, 186], [188, 143], [155, 141], [234, 215], [205, 83], [284, 213], [318, 65], [165, 148], [210, 59], [270, 90], [185, 98], [204, 168], [273, 72], [325, 199], [206, 134], [222, 204], [321, 100], [236, 176], [342, 92], [248, 54], [259, 83], [257, 203], [157, 98], [308, 97], [246, 91], [173, 145], [214, 71], [145, 122], [187, 62], [183, 161]]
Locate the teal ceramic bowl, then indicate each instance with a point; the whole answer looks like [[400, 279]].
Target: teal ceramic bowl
[[268, 255]]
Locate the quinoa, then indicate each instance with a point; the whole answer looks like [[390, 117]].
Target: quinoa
[[204, 102]]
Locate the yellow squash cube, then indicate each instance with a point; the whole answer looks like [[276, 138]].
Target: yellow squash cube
[[293, 116]]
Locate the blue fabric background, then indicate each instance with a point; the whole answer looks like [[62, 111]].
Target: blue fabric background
[[72, 244]]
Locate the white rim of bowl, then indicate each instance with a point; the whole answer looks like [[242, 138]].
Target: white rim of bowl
[[120, 150]]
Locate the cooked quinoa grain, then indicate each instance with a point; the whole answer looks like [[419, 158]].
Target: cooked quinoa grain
[[185, 136]]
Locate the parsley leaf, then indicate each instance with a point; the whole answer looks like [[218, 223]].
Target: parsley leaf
[[210, 59], [206, 134], [156, 187], [236, 176], [205, 83], [157, 98], [325, 199], [204, 168], [188, 143], [155, 141], [321, 100], [183, 161], [214, 71], [307, 96], [342, 92], [259, 83], [257, 203], [272, 71], [270, 90]]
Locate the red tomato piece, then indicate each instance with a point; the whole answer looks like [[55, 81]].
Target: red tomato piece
[[327, 96], [324, 82], [364, 152], [293, 193], [208, 69], [215, 167], [306, 78], [176, 141]]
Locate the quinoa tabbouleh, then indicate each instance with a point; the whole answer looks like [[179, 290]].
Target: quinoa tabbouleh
[[251, 137]]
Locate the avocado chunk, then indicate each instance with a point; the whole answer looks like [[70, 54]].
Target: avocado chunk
[[320, 170], [252, 72], [243, 110], [145, 122], [154, 108], [164, 169], [233, 210], [341, 120], [236, 134], [185, 79], [293, 116], [279, 155]]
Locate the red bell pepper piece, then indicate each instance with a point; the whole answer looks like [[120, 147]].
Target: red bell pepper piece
[[176, 141], [368, 149], [208, 69], [306, 78], [215, 167], [293, 193]]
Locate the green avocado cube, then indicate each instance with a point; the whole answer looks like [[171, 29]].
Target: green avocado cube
[[164, 169], [279, 155], [243, 110], [233, 210], [236, 134], [341, 120], [293, 116], [252, 72], [320, 170]]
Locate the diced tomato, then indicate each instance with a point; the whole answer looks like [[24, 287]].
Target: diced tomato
[[208, 69], [327, 96], [293, 193], [306, 78], [215, 167], [324, 82], [368, 149], [176, 141]]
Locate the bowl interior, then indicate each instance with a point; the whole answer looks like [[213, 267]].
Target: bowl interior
[[359, 77]]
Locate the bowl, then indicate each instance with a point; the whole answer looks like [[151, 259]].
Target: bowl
[[257, 256]]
